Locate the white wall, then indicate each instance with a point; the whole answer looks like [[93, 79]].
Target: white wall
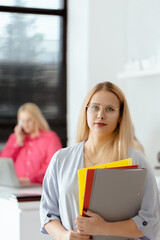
[[143, 97], [77, 62], [143, 31], [92, 30], [143, 48], [106, 39], [102, 36]]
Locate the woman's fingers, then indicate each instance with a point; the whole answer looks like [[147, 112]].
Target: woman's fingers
[[78, 236]]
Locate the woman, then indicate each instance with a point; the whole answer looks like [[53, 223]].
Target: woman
[[32, 144], [105, 134]]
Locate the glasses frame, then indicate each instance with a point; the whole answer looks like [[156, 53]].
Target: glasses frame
[[102, 108]]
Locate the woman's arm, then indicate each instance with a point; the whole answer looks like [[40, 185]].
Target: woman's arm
[[20, 135], [11, 148], [96, 225], [56, 230], [49, 207]]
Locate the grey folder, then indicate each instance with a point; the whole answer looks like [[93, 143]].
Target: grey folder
[[117, 195]]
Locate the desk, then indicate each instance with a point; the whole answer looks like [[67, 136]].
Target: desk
[[20, 220]]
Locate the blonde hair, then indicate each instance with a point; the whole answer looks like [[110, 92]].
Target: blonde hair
[[122, 138], [35, 113]]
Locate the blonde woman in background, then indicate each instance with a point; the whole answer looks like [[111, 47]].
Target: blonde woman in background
[[32, 144], [105, 134]]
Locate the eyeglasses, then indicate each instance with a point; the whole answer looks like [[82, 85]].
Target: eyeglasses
[[95, 108], [26, 121]]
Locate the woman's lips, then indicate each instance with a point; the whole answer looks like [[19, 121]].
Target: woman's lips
[[101, 124]]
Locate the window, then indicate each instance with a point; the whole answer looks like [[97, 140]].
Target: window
[[33, 61], [44, 4]]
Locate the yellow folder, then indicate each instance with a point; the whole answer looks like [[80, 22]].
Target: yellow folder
[[82, 176]]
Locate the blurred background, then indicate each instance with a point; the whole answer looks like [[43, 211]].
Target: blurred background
[[52, 52], [32, 62]]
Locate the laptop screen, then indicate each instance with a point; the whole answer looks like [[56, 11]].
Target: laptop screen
[[8, 176]]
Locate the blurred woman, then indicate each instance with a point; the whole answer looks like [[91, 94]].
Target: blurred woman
[[32, 144]]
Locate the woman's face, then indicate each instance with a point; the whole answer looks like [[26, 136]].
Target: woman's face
[[103, 113], [27, 122]]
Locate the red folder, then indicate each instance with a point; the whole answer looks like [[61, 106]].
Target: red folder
[[89, 183]]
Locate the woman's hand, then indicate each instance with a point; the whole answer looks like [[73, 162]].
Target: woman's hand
[[24, 180], [73, 235], [57, 231], [20, 136], [92, 225]]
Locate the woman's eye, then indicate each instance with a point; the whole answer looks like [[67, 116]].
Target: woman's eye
[[96, 108], [109, 109]]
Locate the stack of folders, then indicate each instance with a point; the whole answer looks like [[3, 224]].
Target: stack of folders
[[114, 191]]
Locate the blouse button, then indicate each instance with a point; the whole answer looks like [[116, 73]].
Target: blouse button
[[49, 215], [144, 223]]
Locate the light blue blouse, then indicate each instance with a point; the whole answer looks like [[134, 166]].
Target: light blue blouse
[[60, 191]]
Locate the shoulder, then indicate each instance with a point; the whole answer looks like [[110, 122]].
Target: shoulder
[[12, 137], [66, 161], [48, 134], [74, 149], [67, 154], [138, 158]]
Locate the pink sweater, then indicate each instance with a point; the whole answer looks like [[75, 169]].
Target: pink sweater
[[31, 160]]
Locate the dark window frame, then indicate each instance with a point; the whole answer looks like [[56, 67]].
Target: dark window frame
[[57, 125]]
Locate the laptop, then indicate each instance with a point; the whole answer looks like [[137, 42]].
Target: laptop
[[8, 176]]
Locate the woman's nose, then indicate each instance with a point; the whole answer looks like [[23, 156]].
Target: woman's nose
[[100, 114]]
